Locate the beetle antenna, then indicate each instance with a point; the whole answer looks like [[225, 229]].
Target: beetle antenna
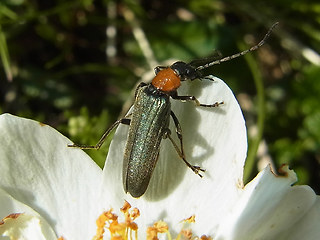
[[225, 59]]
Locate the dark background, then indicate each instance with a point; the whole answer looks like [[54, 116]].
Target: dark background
[[56, 67]]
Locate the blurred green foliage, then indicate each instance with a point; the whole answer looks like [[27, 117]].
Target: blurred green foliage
[[73, 64]]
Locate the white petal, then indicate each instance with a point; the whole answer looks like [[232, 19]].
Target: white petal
[[38, 169], [268, 207], [21, 222], [307, 228], [214, 138]]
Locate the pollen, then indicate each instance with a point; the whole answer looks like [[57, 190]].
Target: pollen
[[191, 219], [118, 230], [109, 224], [158, 227]]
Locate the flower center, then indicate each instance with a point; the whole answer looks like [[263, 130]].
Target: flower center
[[128, 229]]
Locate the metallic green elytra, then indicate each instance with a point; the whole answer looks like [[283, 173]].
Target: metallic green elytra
[[149, 124], [149, 120]]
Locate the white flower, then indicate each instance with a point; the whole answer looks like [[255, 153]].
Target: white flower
[[53, 191], [40, 176]]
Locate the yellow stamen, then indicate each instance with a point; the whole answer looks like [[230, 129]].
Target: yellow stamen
[[128, 229]]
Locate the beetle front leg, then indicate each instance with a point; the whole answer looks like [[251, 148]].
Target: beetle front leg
[[195, 100], [104, 136], [158, 69]]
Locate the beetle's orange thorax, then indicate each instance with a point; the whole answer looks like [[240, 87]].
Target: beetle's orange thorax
[[166, 80]]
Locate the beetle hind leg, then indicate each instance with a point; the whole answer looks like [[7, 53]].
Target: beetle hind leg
[[180, 151]]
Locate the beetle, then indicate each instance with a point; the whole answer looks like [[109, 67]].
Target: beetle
[[149, 120]]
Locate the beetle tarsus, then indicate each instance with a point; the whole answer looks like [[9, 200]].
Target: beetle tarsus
[[83, 146], [197, 170], [216, 104]]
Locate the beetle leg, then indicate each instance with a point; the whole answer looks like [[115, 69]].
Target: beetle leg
[[104, 136], [195, 100], [158, 69], [208, 78], [180, 151]]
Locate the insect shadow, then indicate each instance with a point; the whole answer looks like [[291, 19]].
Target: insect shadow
[[170, 170]]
